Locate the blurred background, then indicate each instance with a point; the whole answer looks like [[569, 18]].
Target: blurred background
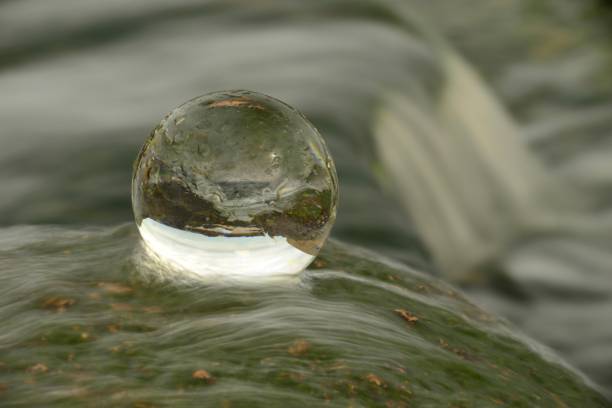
[[473, 138]]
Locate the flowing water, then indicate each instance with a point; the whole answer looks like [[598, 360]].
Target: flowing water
[[500, 184], [91, 320]]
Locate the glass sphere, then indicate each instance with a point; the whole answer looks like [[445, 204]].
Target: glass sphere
[[235, 184]]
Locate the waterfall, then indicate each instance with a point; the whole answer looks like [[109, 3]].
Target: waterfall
[[464, 175]]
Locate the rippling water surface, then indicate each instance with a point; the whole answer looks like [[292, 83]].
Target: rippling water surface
[[354, 330]]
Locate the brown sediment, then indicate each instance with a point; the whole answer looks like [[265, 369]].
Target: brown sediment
[[374, 379], [407, 316], [115, 288], [299, 347], [236, 102], [203, 375], [58, 304], [226, 231]]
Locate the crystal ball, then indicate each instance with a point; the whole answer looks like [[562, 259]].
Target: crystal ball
[[235, 183]]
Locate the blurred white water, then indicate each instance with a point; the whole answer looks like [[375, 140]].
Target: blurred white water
[[522, 202], [470, 182], [486, 204]]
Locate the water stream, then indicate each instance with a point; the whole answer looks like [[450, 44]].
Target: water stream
[[481, 158]]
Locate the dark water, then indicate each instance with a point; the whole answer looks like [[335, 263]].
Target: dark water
[[88, 321], [501, 184]]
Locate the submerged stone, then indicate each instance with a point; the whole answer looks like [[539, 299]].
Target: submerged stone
[[235, 183], [83, 326]]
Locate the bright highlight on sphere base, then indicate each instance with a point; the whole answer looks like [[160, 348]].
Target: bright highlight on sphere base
[[227, 257]]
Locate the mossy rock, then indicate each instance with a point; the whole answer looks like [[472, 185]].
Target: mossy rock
[[86, 321]]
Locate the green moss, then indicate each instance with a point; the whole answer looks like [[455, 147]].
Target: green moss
[[334, 339]]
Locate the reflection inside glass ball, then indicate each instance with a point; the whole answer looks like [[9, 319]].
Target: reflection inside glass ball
[[235, 184]]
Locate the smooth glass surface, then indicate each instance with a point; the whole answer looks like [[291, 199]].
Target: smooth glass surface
[[235, 183]]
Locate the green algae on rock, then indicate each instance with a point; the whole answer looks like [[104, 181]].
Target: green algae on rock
[[237, 164], [83, 325]]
